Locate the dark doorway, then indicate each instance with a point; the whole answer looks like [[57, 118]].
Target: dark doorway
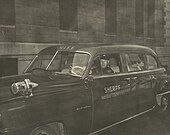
[[8, 66]]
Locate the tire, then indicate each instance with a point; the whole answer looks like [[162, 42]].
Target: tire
[[43, 131], [53, 129], [164, 108]]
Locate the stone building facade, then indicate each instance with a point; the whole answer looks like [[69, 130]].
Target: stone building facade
[[27, 26], [166, 49]]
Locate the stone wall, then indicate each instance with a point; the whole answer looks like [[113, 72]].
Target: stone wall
[[164, 52], [37, 21]]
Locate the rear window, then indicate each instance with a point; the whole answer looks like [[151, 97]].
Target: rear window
[[151, 62], [135, 62]]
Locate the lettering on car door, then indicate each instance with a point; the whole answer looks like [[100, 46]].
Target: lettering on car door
[[109, 90]]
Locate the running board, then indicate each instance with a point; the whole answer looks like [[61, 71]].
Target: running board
[[103, 129]]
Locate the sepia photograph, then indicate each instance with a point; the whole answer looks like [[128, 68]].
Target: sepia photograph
[[84, 67]]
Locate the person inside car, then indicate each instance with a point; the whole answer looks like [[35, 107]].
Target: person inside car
[[113, 64], [105, 67], [95, 68]]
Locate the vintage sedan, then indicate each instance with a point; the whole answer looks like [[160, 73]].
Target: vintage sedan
[[81, 89]]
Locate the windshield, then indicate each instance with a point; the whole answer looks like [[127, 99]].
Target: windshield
[[61, 62]]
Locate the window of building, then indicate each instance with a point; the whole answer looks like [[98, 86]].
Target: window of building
[[7, 12], [8, 66], [135, 62], [111, 17], [151, 62], [151, 18], [139, 18], [68, 15]]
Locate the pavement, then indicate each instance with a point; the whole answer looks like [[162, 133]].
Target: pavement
[[150, 124]]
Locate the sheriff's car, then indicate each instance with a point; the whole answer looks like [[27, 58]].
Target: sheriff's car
[[80, 90]]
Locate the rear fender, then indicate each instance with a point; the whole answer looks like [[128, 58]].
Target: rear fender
[[159, 97], [164, 91]]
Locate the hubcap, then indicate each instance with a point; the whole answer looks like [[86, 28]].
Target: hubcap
[[43, 133], [164, 104]]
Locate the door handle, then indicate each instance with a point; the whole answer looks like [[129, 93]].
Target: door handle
[[134, 78], [82, 107], [127, 79]]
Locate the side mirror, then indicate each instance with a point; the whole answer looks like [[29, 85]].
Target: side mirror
[[89, 78]]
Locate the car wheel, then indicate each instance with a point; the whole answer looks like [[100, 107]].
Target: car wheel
[[164, 108], [51, 129], [43, 131]]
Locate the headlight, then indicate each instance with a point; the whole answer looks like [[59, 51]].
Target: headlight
[[24, 88], [18, 87]]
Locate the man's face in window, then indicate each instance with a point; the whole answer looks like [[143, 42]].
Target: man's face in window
[[103, 63]]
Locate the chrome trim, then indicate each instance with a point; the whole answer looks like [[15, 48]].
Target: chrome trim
[[11, 99], [68, 31], [96, 132], [129, 73], [5, 130], [83, 52], [163, 93], [159, 97], [16, 108], [30, 63], [83, 107], [52, 60], [61, 85], [7, 26]]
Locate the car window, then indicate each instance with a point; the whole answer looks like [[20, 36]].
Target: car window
[[151, 62], [73, 63], [135, 62], [107, 64], [110, 64], [95, 69]]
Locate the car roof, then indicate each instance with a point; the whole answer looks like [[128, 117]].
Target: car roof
[[93, 49]]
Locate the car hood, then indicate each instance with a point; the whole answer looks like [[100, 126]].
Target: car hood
[[45, 83]]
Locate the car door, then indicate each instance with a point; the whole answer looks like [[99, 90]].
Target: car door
[[110, 92], [155, 72], [140, 81]]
